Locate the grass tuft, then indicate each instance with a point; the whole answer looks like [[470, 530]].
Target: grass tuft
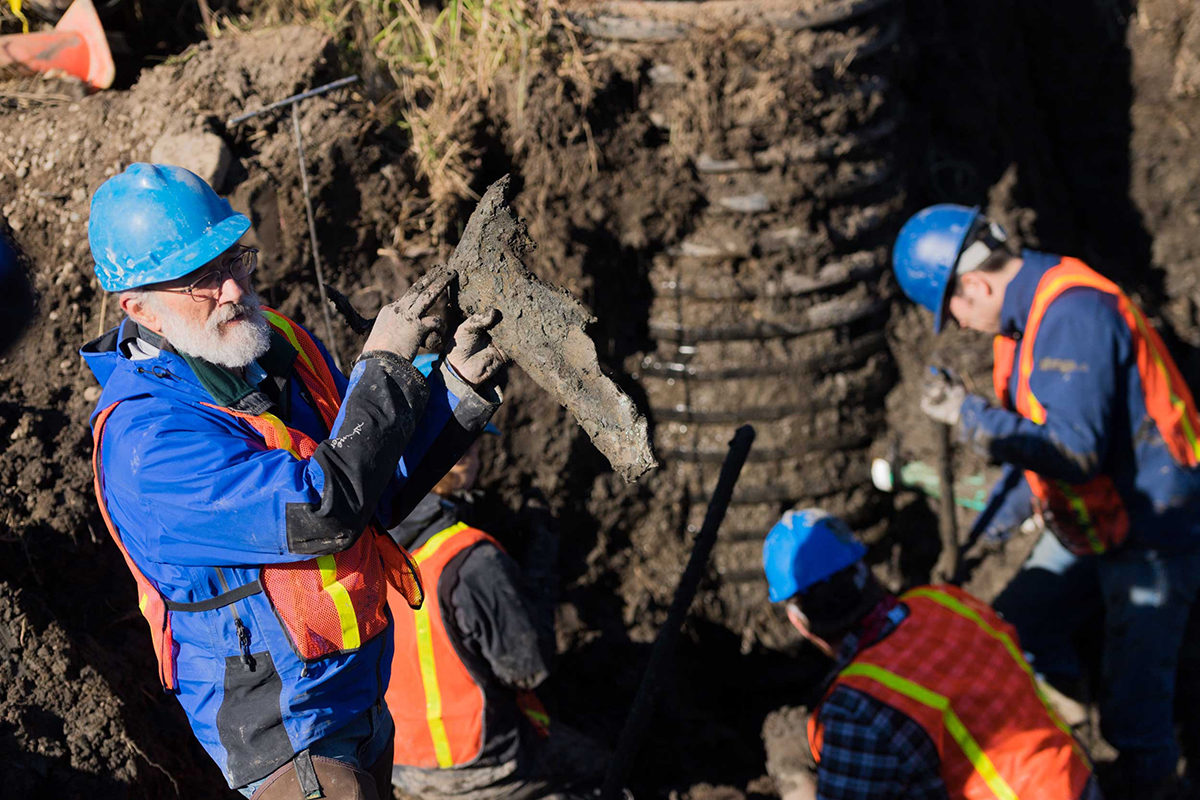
[[446, 61]]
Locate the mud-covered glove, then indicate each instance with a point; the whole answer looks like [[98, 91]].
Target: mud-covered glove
[[942, 396], [474, 356], [407, 324]]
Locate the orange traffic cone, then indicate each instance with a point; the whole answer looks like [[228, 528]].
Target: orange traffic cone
[[77, 46]]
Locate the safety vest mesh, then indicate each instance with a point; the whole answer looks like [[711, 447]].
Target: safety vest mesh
[[955, 668], [436, 704], [328, 604], [1091, 517]]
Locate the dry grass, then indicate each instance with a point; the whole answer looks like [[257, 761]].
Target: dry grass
[[447, 62], [447, 59]]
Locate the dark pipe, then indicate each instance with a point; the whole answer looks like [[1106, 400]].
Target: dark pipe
[[664, 645]]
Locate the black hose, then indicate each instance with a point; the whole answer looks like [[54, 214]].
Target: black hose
[[664, 645]]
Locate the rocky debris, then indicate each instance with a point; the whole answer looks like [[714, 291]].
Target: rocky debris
[[205, 154], [543, 330], [789, 758]]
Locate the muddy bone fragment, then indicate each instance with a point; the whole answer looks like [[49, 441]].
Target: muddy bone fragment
[[543, 329]]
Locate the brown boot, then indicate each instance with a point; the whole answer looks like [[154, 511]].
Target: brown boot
[[337, 780]]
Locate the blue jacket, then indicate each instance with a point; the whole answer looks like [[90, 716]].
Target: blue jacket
[[1085, 374], [201, 503]]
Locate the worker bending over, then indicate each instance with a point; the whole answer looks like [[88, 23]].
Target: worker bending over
[[930, 695], [246, 482], [1099, 435], [468, 724]]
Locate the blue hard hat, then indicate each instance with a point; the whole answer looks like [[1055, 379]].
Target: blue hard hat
[[155, 223], [425, 362], [926, 252], [805, 547]]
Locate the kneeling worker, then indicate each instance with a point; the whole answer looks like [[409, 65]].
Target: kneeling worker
[[468, 724], [930, 695]]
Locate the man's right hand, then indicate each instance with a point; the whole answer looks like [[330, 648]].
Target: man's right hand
[[406, 325], [942, 396]]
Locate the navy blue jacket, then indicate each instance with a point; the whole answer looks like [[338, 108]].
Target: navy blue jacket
[[1085, 375]]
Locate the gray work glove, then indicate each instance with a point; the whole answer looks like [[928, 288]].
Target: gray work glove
[[407, 324], [474, 356], [942, 397]]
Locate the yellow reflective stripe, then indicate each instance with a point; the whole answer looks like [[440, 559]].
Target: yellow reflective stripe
[[142, 601], [433, 692], [1176, 402], [429, 679], [282, 325], [539, 717], [351, 640], [1083, 516], [1037, 412], [15, 5], [954, 726], [430, 547], [952, 603], [285, 436]]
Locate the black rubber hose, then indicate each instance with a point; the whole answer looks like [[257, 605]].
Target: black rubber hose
[[664, 645]]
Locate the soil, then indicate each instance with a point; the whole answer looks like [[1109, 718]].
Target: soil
[[722, 200]]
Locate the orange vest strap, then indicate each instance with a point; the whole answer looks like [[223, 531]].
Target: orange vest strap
[[151, 602], [1004, 355], [310, 366]]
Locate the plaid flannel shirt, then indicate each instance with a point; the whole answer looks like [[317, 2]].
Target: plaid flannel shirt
[[872, 751]]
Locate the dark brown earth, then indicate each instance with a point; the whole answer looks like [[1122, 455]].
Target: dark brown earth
[[639, 177]]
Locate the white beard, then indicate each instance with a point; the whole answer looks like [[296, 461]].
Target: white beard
[[217, 341]]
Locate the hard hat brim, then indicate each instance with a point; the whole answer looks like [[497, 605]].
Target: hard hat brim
[[187, 259], [939, 316]]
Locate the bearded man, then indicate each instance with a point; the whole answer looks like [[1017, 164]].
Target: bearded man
[[247, 483]]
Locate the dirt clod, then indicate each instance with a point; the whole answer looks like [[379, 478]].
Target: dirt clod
[[543, 330]]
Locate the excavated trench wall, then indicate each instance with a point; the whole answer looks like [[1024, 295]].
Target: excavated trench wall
[[768, 308]]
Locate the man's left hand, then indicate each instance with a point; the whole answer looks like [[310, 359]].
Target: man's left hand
[[474, 355], [942, 398]]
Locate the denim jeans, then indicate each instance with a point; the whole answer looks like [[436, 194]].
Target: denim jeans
[[1138, 601], [360, 742]]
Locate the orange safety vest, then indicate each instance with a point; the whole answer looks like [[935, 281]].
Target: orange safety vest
[[956, 669], [1091, 517], [328, 604], [436, 704]]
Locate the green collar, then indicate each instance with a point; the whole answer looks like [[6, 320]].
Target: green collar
[[234, 392]]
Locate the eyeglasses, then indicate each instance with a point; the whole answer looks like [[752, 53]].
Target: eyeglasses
[[237, 265]]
